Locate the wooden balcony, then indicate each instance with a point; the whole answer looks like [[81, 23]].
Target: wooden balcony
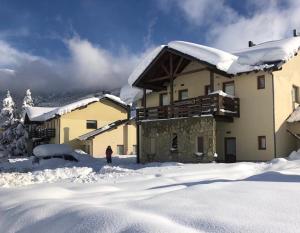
[[42, 133], [215, 104]]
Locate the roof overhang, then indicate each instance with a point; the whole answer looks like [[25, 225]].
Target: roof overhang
[[170, 60]]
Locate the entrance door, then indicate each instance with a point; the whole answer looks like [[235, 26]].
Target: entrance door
[[230, 150]]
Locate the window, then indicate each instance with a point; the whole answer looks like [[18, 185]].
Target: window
[[134, 149], [120, 149], [200, 145], [228, 88], [152, 146], [163, 99], [295, 94], [261, 82], [183, 94], [91, 124], [207, 89], [262, 143], [174, 142]]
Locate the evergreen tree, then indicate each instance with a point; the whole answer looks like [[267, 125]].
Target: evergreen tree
[[8, 112], [27, 102]]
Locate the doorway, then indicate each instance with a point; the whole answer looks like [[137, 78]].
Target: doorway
[[230, 150]]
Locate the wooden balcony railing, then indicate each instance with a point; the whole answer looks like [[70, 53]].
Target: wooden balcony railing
[[42, 133], [214, 104]]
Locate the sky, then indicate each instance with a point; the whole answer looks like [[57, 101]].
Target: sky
[[57, 45]]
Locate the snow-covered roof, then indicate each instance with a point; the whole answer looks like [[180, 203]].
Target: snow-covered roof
[[45, 113], [259, 57], [102, 129], [295, 116]]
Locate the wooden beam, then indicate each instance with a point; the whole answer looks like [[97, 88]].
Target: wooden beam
[[178, 65], [177, 75], [171, 85], [165, 69], [212, 81], [144, 98]]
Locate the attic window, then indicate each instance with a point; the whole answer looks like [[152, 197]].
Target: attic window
[[261, 82], [91, 124]]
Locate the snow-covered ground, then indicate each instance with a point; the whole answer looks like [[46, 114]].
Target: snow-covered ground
[[91, 196]]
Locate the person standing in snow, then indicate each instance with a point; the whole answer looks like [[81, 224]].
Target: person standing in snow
[[108, 153]]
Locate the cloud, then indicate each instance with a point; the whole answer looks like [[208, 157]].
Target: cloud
[[227, 29], [88, 67]]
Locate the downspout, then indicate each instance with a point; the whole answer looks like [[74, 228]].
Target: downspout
[[274, 132]]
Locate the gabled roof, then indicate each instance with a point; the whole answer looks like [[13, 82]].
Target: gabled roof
[[269, 55], [259, 57], [40, 114], [103, 129]]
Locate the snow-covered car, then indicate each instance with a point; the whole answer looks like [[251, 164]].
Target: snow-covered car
[[49, 151]]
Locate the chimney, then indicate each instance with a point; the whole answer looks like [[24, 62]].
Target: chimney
[[251, 44], [295, 34]]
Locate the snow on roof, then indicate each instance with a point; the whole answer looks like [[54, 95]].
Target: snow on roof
[[222, 93], [45, 113], [144, 64], [295, 116], [258, 57], [221, 59], [114, 98], [35, 113], [102, 129], [268, 52]]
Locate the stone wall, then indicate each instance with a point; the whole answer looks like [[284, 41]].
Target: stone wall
[[156, 140]]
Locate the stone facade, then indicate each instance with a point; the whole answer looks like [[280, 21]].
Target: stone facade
[[157, 137]]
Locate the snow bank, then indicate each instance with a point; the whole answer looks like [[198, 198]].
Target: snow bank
[[295, 155], [52, 149], [167, 197]]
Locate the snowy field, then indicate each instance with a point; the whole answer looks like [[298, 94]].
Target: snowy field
[[91, 196]]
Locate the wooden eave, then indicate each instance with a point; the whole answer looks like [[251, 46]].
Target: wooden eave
[[158, 72]]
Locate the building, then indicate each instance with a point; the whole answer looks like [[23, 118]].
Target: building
[[89, 124], [202, 104]]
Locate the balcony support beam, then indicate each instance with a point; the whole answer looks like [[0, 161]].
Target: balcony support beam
[[171, 85], [212, 81]]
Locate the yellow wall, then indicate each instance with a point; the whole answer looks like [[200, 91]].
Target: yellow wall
[[256, 111], [283, 82], [256, 119], [73, 124], [115, 137]]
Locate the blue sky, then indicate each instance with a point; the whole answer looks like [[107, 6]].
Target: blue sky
[[56, 42]]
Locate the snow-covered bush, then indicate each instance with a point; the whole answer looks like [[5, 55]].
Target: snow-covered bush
[[13, 140]]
